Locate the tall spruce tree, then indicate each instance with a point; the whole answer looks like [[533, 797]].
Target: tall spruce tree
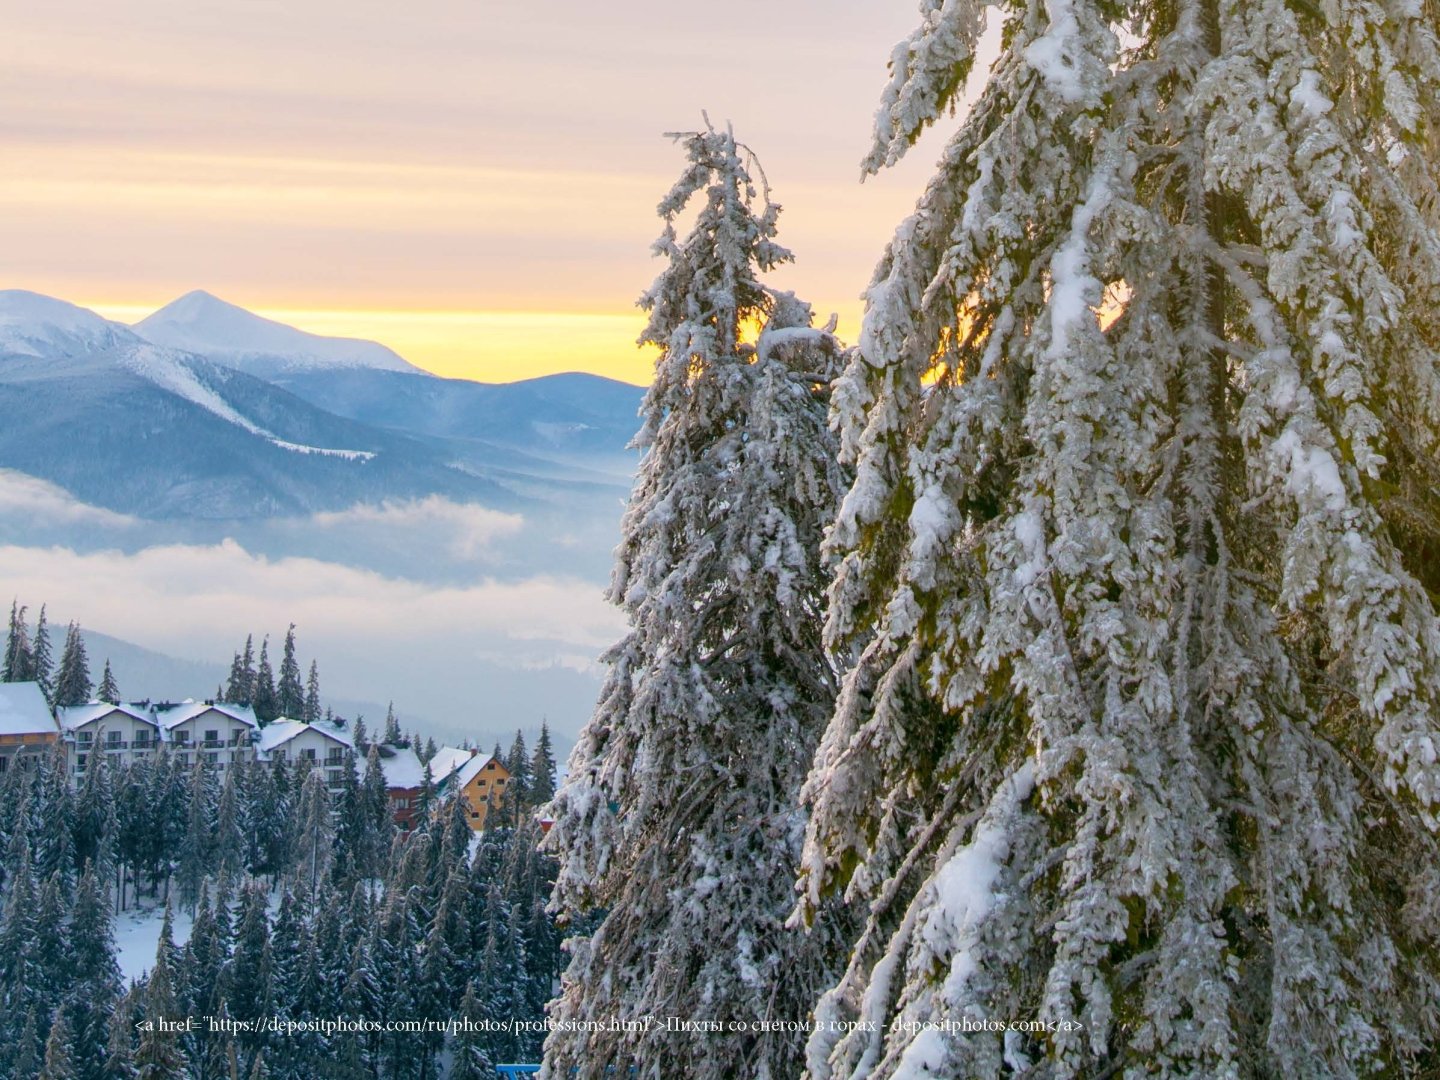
[[42, 661], [119, 1048], [95, 976], [679, 813], [313, 846], [470, 1062], [542, 767], [234, 682], [160, 1055], [72, 678], [248, 983], [59, 1063], [25, 1054], [311, 712], [20, 970], [289, 691], [1140, 736], [517, 763], [263, 697], [197, 845], [228, 848], [378, 825], [240, 687], [108, 692], [19, 663]]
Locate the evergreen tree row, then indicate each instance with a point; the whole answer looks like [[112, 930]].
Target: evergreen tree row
[[306, 904], [29, 658], [253, 682]]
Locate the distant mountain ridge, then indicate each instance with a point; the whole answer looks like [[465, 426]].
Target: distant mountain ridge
[[156, 431], [35, 325], [204, 324]]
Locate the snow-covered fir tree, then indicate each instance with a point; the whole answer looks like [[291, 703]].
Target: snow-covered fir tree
[[542, 767], [470, 1060], [678, 815], [72, 677], [197, 848], [313, 846], [517, 763], [19, 661], [94, 980], [59, 1062], [311, 711], [1143, 734], [159, 1055], [42, 662], [240, 686], [108, 691], [263, 697], [289, 691]]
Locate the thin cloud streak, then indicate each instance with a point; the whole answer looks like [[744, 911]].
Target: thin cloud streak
[[184, 598]]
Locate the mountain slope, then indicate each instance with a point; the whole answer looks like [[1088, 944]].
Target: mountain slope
[[36, 325], [201, 323], [144, 430], [575, 417]]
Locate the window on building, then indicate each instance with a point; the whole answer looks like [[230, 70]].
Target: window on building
[[308, 755], [402, 804], [4, 763], [112, 738], [182, 736], [212, 737], [237, 736], [278, 755], [86, 737], [142, 739], [80, 761]]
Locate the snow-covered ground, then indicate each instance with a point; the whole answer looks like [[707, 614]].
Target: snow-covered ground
[[137, 934]]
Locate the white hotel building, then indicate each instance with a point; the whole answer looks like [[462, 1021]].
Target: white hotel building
[[320, 745], [216, 734]]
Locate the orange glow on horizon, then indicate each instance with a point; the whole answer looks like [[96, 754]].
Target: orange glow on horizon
[[486, 346]]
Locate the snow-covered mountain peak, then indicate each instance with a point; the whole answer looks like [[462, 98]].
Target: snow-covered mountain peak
[[201, 323], [35, 325]]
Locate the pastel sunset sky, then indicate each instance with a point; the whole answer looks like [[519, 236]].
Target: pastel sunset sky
[[472, 183]]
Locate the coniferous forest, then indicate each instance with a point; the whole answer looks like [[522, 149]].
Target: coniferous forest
[[303, 905]]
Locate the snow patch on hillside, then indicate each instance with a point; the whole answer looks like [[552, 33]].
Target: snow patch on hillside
[[300, 448], [137, 936], [169, 371]]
